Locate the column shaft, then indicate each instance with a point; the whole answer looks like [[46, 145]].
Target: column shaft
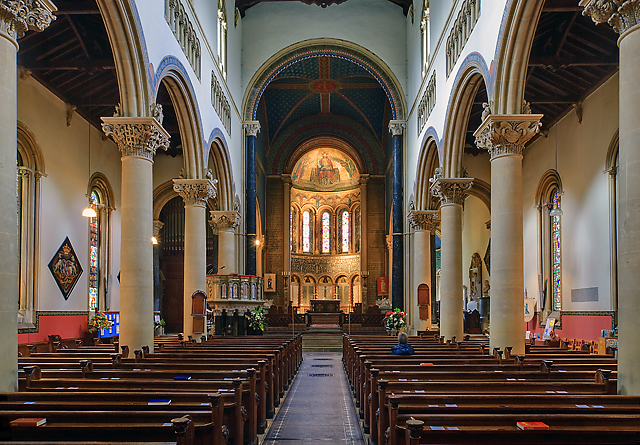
[[421, 274], [397, 220], [251, 213], [364, 240], [195, 260], [286, 236], [451, 304], [227, 251]]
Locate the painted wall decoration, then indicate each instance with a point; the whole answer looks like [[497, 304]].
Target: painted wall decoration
[[325, 169], [65, 268]]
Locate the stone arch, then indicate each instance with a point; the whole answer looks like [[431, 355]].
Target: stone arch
[[219, 160], [162, 195], [174, 76], [550, 179], [517, 30], [472, 71], [612, 151], [129, 48], [428, 161], [481, 190], [331, 48]]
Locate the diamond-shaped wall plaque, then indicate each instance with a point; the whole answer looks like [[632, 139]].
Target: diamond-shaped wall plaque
[[65, 268]]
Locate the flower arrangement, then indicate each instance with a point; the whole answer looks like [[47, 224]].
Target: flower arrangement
[[257, 319], [394, 320], [160, 323], [99, 321]]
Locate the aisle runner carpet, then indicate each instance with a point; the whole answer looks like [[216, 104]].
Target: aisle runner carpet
[[319, 408]]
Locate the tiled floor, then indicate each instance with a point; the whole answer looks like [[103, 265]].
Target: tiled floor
[[318, 408]]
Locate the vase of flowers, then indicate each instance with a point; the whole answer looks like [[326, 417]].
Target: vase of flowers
[[394, 321], [158, 327], [256, 320], [99, 322]]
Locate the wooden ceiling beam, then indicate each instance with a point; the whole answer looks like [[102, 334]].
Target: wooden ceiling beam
[[73, 8], [565, 61], [70, 65]]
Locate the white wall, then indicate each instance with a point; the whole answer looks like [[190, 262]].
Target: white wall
[[65, 152], [475, 236], [582, 150]]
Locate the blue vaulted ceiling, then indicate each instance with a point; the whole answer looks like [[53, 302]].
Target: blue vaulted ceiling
[[324, 87]]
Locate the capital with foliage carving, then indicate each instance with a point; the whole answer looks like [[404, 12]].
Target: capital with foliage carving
[[451, 190], [137, 137], [195, 192], [506, 134], [19, 16], [397, 127], [225, 221], [622, 15], [251, 128], [157, 227], [422, 220]]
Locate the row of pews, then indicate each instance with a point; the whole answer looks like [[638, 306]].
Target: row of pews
[[220, 391], [458, 392]]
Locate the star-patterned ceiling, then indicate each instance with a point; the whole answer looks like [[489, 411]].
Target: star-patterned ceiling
[[324, 86]]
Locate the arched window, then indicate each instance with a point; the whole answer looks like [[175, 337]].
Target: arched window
[[222, 37], [345, 231], [425, 30], [306, 233], [326, 233], [101, 198], [556, 251]]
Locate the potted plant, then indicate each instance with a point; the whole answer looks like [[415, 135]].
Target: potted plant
[[158, 326], [257, 320], [394, 321], [99, 322]]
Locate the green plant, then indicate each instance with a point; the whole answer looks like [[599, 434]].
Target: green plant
[[159, 323], [99, 321], [257, 319], [394, 320]]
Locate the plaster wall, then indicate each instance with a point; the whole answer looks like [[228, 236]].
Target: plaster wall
[[475, 236], [582, 150], [65, 152], [166, 168], [478, 166]]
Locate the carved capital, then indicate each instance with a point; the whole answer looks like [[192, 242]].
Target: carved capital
[[19, 16], [286, 178], [136, 136], [195, 192], [424, 220], [622, 15], [397, 127], [157, 227], [251, 128], [451, 190], [225, 221], [506, 134], [363, 179]]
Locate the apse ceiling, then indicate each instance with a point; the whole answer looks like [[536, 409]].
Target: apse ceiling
[[243, 5], [321, 87]]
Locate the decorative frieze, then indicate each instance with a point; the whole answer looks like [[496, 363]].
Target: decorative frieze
[[224, 221], [622, 15], [322, 264], [397, 127], [136, 136], [427, 103], [251, 128], [195, 192], [461, 30], [19, 16], [220, 103], [424, 220], [176, 16], [450, 190], [506, 135]]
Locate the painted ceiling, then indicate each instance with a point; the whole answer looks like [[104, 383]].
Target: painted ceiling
[[315, 88]]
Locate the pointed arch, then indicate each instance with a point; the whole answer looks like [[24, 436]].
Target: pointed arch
[[428, 161], [219, 161]]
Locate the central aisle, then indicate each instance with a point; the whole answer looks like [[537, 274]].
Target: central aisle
[[318, 408]]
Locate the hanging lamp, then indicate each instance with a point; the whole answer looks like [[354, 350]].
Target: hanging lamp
[[89, 212]]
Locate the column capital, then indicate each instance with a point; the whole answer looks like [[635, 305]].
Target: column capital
[[506, 134], [450, 190], [397, 127], [19, 16], [195, 192], [157, 227], [622, 15], [138, 137], [286, 178], [424, 220], [251, 128], [363, 179], [226, 221]]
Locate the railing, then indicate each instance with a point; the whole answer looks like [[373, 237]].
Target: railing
[[220, 103], [462, 28], [427, 103], [178, 20]]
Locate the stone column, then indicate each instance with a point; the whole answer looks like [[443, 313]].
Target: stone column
[[157, 248], [286, 235], [364, 240], [505, 136], [424, 223], [397, 214], [138, 138], [452, 193], [195, 193], [16, 18], [225, 222], [624, 17], [251, 129]]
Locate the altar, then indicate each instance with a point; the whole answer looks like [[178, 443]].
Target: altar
[[325, 312], [325, 306]]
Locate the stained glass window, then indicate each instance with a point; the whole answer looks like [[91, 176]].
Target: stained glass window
[[345, 231], [306, 243], [222, 37], [325, 233], [556, 260], [94, 244], [425, 30]]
